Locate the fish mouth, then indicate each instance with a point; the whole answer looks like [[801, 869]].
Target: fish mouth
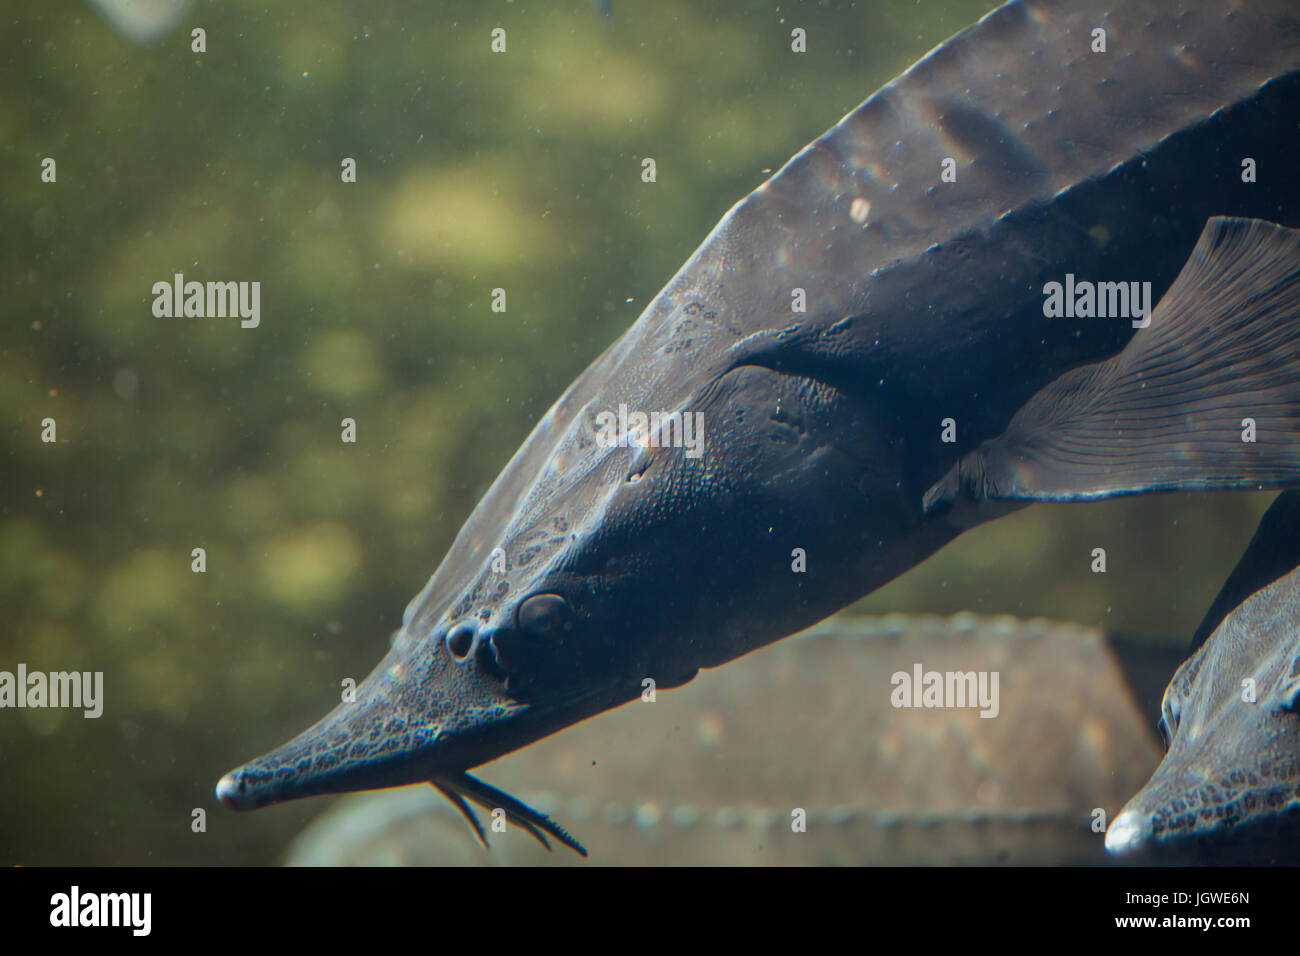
[[418, 719], [461, 789]]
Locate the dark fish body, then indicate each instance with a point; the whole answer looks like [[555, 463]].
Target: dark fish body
[[1228, 789], [586, 571]]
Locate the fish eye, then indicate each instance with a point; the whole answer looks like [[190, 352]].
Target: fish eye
[[460, 642], [545, 615]]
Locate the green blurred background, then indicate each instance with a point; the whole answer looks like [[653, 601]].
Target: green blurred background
[[475, 171]]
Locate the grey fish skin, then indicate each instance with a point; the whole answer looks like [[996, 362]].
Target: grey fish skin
[[1228, 789], [923, 301]]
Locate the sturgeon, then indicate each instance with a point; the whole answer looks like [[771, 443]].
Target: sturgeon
[[834, 328], [1228, 789]]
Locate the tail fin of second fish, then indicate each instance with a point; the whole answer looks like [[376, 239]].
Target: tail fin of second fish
[[1207, 396]]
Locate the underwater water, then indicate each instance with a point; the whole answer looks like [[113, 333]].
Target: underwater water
[[474, 171]]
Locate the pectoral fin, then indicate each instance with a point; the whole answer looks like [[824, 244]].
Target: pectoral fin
[[1207, 396]]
